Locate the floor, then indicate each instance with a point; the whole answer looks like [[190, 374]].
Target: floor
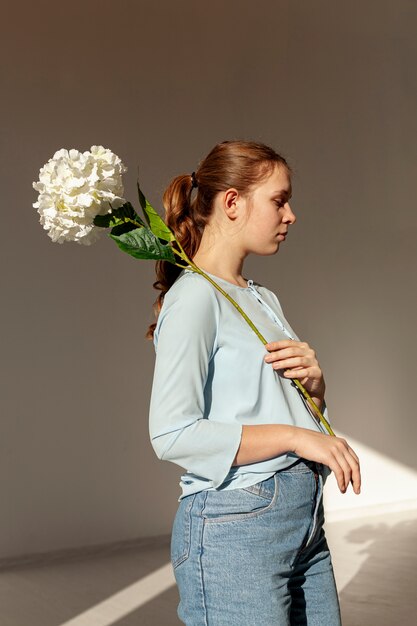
[[375, 560]]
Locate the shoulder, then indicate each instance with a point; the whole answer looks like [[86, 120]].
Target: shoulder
[[191, 286], [191, 302]]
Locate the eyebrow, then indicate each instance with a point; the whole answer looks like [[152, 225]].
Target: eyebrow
[[284, 192]]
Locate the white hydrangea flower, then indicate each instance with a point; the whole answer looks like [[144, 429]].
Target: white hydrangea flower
[[73, 188]]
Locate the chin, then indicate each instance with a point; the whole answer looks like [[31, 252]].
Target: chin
[[266, 248], [269, 251]]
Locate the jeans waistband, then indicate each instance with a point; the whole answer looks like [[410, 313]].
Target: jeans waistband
[[301, 464]]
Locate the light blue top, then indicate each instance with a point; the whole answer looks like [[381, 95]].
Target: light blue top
[[210, 378]]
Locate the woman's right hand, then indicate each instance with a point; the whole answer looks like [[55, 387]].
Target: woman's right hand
[[335, 452]]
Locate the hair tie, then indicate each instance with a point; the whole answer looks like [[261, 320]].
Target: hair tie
[[193, 181]]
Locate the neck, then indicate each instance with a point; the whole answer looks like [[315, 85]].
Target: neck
[[221, 263]]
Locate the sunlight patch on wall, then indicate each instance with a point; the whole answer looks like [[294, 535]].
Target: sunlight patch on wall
[[387, 486]]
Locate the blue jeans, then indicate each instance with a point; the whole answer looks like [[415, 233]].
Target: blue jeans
[[257, 555]]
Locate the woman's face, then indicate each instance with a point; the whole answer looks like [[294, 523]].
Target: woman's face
[[270, 214]]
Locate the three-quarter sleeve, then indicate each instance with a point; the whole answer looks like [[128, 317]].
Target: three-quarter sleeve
[[185, 339]]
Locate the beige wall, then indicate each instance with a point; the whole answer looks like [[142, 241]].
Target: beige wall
[[332, 86]]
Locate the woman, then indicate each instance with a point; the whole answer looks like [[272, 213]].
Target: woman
[[248, 546]]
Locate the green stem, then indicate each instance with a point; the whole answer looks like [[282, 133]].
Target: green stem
[[129, 219], [182, 254], [304, 391], [316, 408]]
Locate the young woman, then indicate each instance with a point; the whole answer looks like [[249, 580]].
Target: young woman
[[248, 546]]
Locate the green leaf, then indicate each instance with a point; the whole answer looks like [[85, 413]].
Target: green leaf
[[106, 221], [142, 198], [155, 222], [123, 227], [117, 217], [141, 243]]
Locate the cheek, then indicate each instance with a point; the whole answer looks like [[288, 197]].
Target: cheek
[[265, 226]]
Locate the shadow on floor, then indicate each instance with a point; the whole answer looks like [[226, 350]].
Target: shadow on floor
[[74, 589], [383, 591]]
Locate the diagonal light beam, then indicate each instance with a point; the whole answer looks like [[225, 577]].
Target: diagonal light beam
[[129, 599]]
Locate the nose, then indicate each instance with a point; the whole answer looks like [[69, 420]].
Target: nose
[[289, 215]]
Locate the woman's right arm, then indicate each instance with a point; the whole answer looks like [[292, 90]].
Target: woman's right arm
[[186, 338], [264, 441]]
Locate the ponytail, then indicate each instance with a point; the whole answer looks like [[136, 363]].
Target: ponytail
[[180, 218]]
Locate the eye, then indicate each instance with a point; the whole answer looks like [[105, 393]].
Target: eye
[[279, 203]]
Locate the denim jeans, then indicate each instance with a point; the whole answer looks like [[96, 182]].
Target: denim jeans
[[257, 555]]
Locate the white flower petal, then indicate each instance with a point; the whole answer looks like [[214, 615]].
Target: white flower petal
[[73, 188]]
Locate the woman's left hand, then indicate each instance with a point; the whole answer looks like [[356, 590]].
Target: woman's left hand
[[299, 361]]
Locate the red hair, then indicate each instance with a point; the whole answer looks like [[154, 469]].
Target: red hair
[[238, 164]]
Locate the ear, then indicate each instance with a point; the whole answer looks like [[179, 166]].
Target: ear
[[231, 202]]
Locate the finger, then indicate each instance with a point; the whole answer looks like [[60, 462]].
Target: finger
[[296, 361], [338, 473], [286, 352], [353, 472], [346, 469], [356, 473], [307, 372], [353, 453], [297, 373], [283, 343]]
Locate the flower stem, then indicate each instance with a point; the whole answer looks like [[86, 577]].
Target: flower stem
[[182, 254], [129, 219], [304, 391]]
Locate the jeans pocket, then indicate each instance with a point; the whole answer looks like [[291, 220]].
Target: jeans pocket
[[181, 532], [242, 503]]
